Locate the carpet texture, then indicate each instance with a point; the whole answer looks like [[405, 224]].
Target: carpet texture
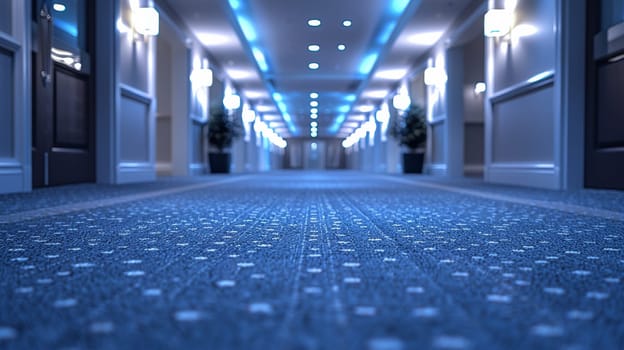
[[300, 260]]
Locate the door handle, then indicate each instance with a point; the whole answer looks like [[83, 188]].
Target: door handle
[[45, 44]]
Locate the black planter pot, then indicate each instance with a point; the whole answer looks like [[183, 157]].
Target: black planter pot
[[219, 162], [413, 163]]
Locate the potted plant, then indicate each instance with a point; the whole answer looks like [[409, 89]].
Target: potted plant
[[222, 131], [411, 131]]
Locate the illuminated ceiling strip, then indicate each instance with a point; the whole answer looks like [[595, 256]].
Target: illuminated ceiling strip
[[396, 17], [246, 29]]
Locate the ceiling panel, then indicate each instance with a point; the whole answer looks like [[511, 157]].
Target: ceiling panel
[[388, 35]]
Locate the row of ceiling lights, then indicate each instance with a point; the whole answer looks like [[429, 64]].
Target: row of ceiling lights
[[314, 66], [314, 114], [316, 48]]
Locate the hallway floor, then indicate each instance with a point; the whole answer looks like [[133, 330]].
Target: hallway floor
[[297, 260]]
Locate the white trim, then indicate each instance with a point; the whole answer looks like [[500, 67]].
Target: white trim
[[441, 118], [196, 169], [9, 43], [474, 169], [135, 94], [106, 90], [163, 168], [570, 94], [436, 169], [544, 80], [15, 171], [11, 177], [533, 175], [135, 172]]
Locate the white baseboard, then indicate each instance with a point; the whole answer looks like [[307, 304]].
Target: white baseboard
[[135, 172], [436, 169], [473, 169], [196, 169], [529, 175], [12, 179], [164, 168]]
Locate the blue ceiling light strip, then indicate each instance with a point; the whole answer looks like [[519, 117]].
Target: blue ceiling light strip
[[368, 63], [260, 59], [397, 6], [392, 22], [350, 97], [235, 5], [338, 122], [246, 30]]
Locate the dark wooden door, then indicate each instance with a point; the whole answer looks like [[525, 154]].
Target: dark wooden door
[[63, 123]]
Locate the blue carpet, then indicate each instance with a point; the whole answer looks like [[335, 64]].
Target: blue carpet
[[310, 261]]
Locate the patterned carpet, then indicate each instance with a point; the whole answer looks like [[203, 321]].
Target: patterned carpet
[[298, 260]]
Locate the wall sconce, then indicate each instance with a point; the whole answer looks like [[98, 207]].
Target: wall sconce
[[249, 116], [401, 101], [145, 21], [201, 77], [382, 116], [497, 23], [232, 101], [435, 76], [479, 88]]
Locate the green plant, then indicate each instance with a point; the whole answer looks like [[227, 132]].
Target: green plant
[[410, 129], [222, 129]]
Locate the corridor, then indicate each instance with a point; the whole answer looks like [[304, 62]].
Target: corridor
[[311, 260]]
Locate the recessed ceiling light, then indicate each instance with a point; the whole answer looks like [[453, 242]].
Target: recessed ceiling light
[[59, 7], [314, 124], [313, 104], [314, 116], [341, 47], [346, 23], [314, 22], [314, 95], [314, 48], [314, 110], [313, 65]]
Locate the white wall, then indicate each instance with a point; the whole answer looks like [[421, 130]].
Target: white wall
[[136, 115], [15, 96], [526, 118]]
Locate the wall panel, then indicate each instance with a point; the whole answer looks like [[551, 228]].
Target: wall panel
[[163, 135], [15, 96], [523, 128], [6, 104], [523, 100], [473, 138], [437, 136], [520, 59], [134, 129], [6, 21]]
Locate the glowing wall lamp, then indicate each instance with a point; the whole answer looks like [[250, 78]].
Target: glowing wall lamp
[[479, 88], [382, 116], [497, 23], [249, 116], [145, 21], [201, 77], [435, 76], [401, 101], [232, 101]]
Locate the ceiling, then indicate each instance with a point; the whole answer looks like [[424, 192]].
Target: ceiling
[[263, 48]]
